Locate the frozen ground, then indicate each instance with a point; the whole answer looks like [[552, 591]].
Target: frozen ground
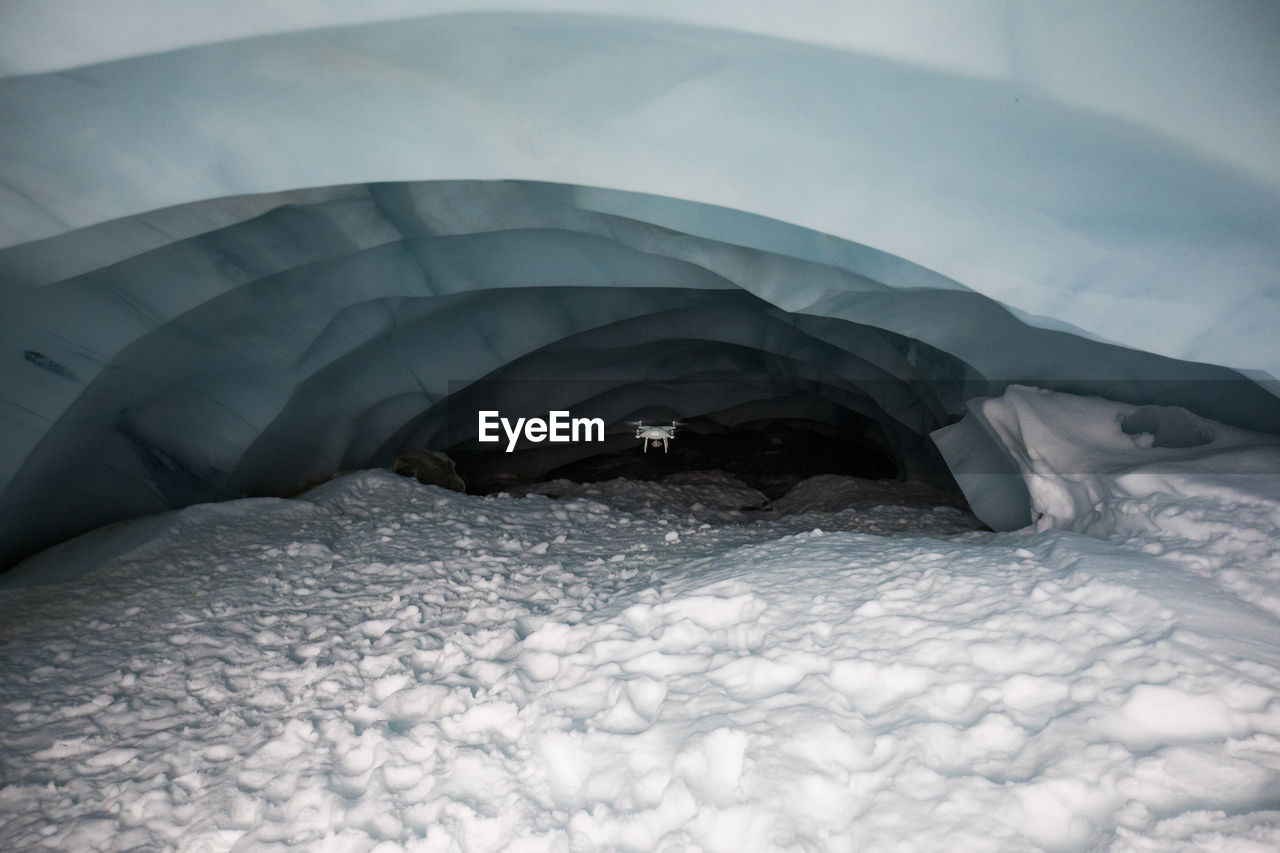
[[638, 666]]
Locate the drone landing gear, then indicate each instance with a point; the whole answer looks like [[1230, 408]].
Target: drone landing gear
[[654, 434]]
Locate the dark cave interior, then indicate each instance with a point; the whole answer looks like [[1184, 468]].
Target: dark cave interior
[[769, 455]]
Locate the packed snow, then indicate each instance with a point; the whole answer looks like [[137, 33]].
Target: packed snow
[[1160, 479], [381, 665]]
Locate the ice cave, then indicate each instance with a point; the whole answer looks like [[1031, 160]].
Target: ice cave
[[969, 535]]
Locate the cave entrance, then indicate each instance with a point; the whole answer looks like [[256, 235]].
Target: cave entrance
[[770, 455]]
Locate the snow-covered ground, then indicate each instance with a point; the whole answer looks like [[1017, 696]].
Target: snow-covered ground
[[382, 665]]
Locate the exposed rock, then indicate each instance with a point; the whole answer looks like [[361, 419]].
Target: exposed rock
[[430, 467]]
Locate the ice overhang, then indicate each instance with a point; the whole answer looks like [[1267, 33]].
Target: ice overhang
[[235, 263]]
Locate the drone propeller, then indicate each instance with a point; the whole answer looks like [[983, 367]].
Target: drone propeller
[[641, 425]]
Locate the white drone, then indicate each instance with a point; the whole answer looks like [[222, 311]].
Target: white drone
[[654, 434]]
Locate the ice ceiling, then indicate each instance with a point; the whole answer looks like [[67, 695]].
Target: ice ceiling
[[245, 246]]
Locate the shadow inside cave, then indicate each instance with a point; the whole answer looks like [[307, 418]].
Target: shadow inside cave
[[771, 456]]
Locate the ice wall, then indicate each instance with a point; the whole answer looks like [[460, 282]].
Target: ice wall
[[242, 249]]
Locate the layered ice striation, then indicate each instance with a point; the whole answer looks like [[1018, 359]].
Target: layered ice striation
[[331, 334], [240, 256]]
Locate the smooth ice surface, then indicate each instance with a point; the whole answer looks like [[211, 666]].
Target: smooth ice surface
[[1057, 203], [382, 666], [245, 246]]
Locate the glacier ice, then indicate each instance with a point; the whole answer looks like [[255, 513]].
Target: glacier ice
[[240, 253], [333, 332]]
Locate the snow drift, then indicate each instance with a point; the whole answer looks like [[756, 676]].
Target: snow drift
[[1156, 478], [383, 666]]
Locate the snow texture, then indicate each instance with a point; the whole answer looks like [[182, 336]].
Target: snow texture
[[381, 665]]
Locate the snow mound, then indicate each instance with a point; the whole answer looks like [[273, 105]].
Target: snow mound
[[1077, 457], [1156, 478], [830, 501], [707, 496], [389, 666]]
